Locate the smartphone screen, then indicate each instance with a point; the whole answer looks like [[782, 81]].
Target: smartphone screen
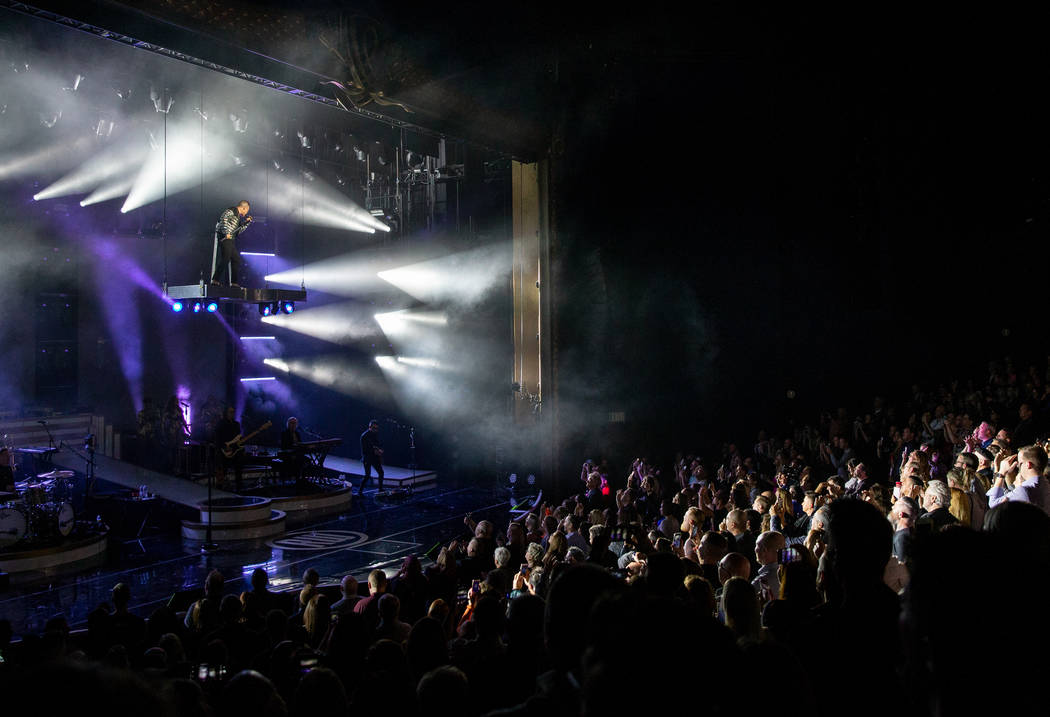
[[524, 569], [677, 540]]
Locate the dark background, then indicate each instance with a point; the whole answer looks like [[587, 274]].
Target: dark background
[[744, 202]]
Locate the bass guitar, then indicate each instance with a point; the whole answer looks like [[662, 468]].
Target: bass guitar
[[236, 444]]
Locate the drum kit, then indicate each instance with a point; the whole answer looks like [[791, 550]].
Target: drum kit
[[43, 511]]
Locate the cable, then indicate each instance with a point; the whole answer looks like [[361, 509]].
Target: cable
[[302, 216], [164, 208], [201, 113]]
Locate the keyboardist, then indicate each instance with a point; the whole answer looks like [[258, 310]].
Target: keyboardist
[[290, 436], [292, 460]]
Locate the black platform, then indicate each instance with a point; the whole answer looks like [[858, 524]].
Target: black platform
[[246, 295]]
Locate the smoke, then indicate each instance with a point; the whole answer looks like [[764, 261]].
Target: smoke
[[461, 279]]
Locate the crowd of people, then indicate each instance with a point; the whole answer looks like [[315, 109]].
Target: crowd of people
[[885, 563]]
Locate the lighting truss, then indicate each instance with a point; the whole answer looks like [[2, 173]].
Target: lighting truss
[[123, 39]]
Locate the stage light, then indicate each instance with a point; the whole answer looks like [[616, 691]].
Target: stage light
[[179, 168], [258, 338], [54, 156], [389, 364], [257, 253], [419, 362], [196, 307], [106, 192], [176, 306], [288, 307], [279, 364], [212, 307], [104, 128], [340, 323], [265, 309], [162, 102], [258, 378], [240, 121], [405, 321], [414, 160], [464, 277], [315, 202], [76, 84], [107, 169], [337, 373]]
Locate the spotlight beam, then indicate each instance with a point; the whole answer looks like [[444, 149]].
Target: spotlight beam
[[114, 163], [342, 323]]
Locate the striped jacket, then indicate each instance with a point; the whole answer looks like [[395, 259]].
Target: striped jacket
[[229, 224]]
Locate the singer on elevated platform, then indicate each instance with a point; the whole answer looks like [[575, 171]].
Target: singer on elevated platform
[[232, 222]]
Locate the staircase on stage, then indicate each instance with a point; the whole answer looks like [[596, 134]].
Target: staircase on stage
[[394, 476]]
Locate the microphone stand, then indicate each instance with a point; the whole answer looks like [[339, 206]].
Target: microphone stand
[[50, 438], [208, 546], [412, 450]]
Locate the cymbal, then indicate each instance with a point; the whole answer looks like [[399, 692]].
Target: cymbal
[[56, 474]]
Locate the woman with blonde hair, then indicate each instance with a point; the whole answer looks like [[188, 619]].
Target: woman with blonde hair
[[960, 506], [967, 482], [317, 617]]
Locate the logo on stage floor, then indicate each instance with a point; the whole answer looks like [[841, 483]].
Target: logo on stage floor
[[319, 540]]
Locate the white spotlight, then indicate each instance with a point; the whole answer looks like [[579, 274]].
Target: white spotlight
[[463, 277], [278, 364]]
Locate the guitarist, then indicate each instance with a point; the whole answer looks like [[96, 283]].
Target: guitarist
[[371, 455], [227, 430]]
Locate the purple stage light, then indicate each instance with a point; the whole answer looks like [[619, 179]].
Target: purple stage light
[[259, 378]]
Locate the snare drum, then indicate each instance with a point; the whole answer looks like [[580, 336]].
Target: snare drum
[[12, 525]]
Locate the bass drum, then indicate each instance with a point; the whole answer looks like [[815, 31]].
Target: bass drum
[[66, 519], [52, 520], [12, 525]]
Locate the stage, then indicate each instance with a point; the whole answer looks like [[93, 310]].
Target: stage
[[161, 563], [394, 476]]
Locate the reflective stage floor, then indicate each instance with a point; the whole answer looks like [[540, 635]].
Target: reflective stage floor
[[159, 563]]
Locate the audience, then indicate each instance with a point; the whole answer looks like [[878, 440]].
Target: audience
[[860, 552]]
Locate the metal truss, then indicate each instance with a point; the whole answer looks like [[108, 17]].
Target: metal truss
[[232, 72]]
